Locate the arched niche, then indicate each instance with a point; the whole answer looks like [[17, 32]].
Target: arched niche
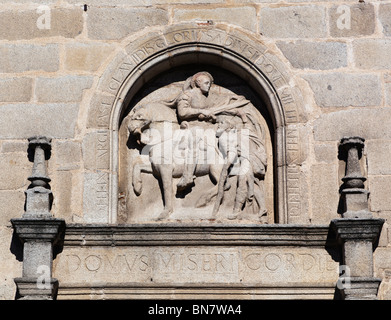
[[193, 204], [190, 47]]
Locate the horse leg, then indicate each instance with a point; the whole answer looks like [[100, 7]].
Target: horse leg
[[165, 172], [214, 174], [240, 198], [138, 168], [220, 188]]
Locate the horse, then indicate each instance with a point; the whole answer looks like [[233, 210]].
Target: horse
[[165, 144]]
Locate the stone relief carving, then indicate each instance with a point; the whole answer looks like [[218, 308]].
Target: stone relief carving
[[205, 146]]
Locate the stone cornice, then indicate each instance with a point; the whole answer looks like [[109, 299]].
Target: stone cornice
[[357, 229], [195, 234], [36, 229]]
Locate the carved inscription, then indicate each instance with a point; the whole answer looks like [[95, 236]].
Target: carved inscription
[[300, 261], [121, 73], [254, 53], [196, 262], [295, 266], [292, 142], [294, 198], [191, 264], [103, 112], [102, 149], [102, 192], [120, 263]]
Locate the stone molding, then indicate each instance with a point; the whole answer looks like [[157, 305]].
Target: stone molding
[[87, 235], [357, 229], [362, 288], [191, 291], [28, 290], [47, 229]]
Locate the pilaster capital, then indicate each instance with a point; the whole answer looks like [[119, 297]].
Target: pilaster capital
[[357, 229], [39, 229]]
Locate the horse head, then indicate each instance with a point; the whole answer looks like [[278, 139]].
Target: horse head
[[139, 120], [147, 119]]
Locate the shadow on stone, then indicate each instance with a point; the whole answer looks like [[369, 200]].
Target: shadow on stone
[[16, 247], [335, 251]]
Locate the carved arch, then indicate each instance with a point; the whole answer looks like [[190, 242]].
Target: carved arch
[[221, 46]]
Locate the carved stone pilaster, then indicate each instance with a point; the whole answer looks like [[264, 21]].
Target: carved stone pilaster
[[42, 238], [40, 233], [38, 195], [357, 231], [353, 195]]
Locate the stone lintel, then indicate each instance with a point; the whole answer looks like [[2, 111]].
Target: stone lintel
[[39, 229], [357, 229]]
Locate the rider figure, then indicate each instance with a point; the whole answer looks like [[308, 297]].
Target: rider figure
[[193, 104]]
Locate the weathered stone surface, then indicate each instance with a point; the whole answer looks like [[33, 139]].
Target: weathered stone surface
[[343, 90], [138, 3], [62, 89], [67, 154], [387, 87], [28, 57], [380, 187], [117, 23], [14, 146], [378, 155], [55, 120], [324, 192], [353, 122], [326, 152], [15, 170], [372, 53], [15, 89], [350, 20], [10, 267], [382, 261], [12, 201], [64, 191], [241, 16], [62, 22], [385, 18], [86, 57], [315, 55], [293, 22]]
